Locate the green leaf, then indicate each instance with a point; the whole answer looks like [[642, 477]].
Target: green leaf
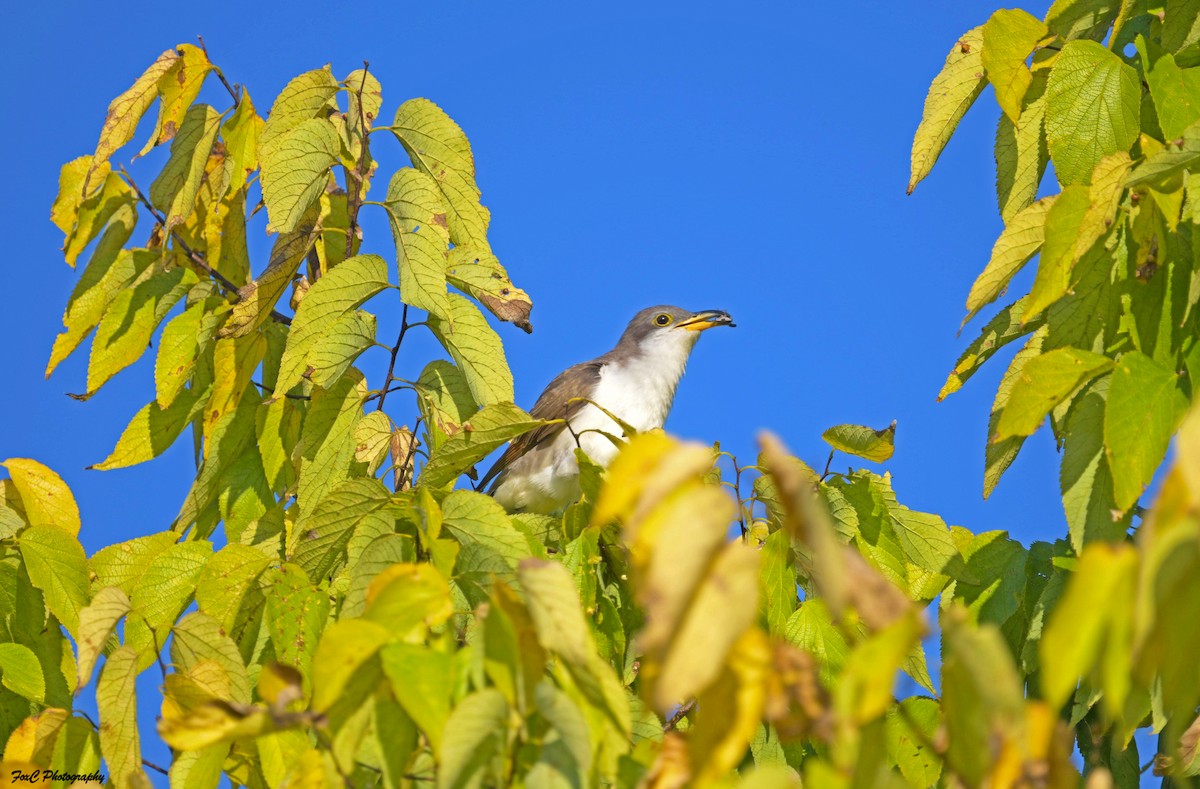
[[130, 320], [1044, 382], [57, 565], [1093, 105], [1176, 93], [422, 680], [952, 93], [116, 700], [1174, 157], [811, 628], [335, 295], [124, 563], [257, 299], [108, 271], [981, 695], [372, 440], [183, 339], [1181, 25], [327, 438], [999, 455], [126, 110], [97, 623], [444, 398], [474, 735], [1074, 637], [321, 535], [438, 147], [477, 351], [223, 448], [45, 498], [307, 96], [1082, 18], [297, 613], [777, 582], [198, 639], [226, 580], [329, 359], [21, 672], [161, 595], [1144, 407], [917, 761], [1085, 478], [175, 189], [240, 134], [1062, 231], [344, 647], [376, 556], [408, 600], [478, 273], [295, 171], [1004, 328], [1008, 38], [476, 519], [277, 429], [874, 445], [1021, 152], [153, 430], [419, 227], [1018, 243], [561, 628], [483, 433]]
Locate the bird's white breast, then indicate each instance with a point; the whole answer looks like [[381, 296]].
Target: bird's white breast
[[638, 390]]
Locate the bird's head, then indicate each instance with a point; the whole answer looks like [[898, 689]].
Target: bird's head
[[670, 330]]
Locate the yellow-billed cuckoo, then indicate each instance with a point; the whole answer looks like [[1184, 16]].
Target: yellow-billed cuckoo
[[635, 382]]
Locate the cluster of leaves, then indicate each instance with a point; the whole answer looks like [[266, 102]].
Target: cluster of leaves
[[328, 608], [1109, 94]]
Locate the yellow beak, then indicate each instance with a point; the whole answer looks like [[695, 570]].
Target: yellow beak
[[706, 319]]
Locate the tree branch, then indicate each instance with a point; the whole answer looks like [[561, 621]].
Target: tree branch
[[221, 76], [387, 381], [197, 259]]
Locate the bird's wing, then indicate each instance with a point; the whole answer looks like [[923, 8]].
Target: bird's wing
[[555, 403]]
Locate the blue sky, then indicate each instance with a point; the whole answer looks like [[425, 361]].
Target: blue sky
[[751, 158]]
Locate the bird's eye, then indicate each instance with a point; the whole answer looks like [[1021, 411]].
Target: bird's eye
[[662, 319]]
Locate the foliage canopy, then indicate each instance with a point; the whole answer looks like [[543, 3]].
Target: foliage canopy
[[333, 606]]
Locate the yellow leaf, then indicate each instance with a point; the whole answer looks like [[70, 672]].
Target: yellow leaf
[[729, 712], [344, 647], [952, 93], [33, 740], [409, 599], [127, 109], [96, 624], [47, 499]]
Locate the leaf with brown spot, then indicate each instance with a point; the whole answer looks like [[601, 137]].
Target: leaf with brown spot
[[127, 109]]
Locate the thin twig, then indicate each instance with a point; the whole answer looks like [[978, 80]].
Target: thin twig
[[266, 388], [354, 200], [737, 490], [232, 92], [828, 463], [674, 720], [154, 767], [192, 254], [387, 381]]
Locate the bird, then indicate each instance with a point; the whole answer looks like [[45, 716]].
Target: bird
[[635, 382]]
